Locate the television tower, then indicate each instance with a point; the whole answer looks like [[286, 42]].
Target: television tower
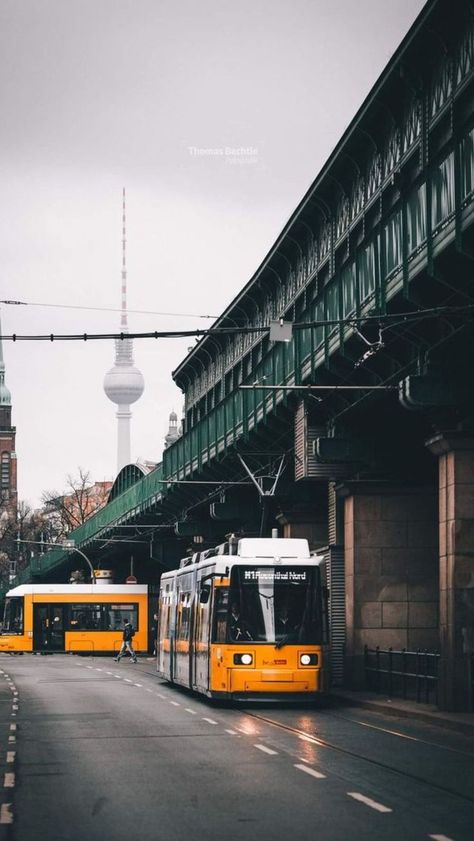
[[124, 383]]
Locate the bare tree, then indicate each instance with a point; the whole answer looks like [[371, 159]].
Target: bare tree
[[69, 509], [28, 526]]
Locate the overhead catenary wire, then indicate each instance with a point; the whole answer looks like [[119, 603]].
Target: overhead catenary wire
[[399, 318], [10, 302]]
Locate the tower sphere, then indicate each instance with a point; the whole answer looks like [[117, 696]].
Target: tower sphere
[[124, 384]]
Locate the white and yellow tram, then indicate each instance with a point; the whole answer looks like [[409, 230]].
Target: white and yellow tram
[[79, 618], [247, 620]]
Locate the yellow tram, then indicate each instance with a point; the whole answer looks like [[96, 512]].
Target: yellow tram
[[78, 618], [247, 620]]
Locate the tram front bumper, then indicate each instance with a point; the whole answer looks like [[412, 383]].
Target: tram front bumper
[[273, 680]]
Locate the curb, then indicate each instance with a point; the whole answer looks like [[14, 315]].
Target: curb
[[392, 708]]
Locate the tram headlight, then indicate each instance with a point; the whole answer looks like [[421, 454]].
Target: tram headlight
[[308, 659], [243, 659]]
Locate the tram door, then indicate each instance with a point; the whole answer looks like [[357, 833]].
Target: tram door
[[48, 627]]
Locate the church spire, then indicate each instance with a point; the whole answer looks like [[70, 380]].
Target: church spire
[[5, 396]]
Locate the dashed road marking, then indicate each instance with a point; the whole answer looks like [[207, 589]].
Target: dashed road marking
[[6, 814], [209, 720], [127, 680], [11, 755], [12, 726], [188, 710], [232, 732], [138, 684], [14, 706], [161, 696], [175, 703], [266, 750], [379, 807], [311, 771], [12, 739], [9, 780], [440, 838]]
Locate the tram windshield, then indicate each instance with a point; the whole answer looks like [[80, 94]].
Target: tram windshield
[[13, 616], [275, 605]]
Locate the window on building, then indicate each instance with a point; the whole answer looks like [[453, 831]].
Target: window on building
[[442, 191], [467, 165], [348, 281], [366, 268], [416, 218], [393, 242], [5, 471]]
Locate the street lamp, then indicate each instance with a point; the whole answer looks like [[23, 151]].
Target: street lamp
[[70, 544]]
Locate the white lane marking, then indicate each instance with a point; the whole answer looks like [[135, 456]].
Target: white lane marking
[[12, 739], [379, 807], [138, 684], [440, 838], [188, 710], [16, 692], [209, 720], [175, 703], [311, 772], [9, 780], [266, 750], [89, 667], [109, 673], [305, 738], [14, 706], [161, 696], [232, 732], [12, 726], [11, 755], [97, 669], [127, 680], [6, 814], [147, 689]]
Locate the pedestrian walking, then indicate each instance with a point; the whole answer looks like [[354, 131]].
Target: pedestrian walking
[[127, 636]]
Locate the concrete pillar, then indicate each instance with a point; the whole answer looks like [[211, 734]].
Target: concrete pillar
[[391, 570], [455, 451], [305, 521]]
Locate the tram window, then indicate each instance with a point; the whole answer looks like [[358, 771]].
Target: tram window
[[116, 614], [220, 614], [184, 612], [85, 617], [101, 617], [13, 616], [279, 604]]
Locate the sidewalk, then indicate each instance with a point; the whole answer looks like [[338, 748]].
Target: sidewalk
[[428, 713]]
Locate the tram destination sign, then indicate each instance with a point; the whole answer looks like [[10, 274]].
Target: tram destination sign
[[270, 575]]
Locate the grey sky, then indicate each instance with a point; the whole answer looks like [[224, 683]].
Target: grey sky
[[100, 94]]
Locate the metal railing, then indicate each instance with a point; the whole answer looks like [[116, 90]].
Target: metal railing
[[411, 674]]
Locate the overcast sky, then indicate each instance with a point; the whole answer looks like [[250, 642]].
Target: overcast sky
[[96, 95]]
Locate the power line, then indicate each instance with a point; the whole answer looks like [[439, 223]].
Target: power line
[[102, 309], [399, 318]]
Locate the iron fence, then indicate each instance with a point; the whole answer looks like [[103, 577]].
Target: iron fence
[[411, 674]]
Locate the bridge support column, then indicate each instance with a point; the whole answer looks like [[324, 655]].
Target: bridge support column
[[391, 570], [455, 451], [305, 521]]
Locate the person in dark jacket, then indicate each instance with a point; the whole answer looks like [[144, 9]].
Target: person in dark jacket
[[127, 637]]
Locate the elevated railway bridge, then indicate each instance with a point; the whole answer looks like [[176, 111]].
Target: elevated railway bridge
[[357, 431]]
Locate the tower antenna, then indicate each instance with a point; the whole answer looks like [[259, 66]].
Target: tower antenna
[[124, 383]]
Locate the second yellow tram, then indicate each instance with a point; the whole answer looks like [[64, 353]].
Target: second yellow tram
[[75, 618], [247, 620]]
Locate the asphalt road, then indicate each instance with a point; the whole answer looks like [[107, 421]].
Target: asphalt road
[[96, 750]]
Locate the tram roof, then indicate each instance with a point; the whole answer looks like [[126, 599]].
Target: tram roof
[[80, 589]]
